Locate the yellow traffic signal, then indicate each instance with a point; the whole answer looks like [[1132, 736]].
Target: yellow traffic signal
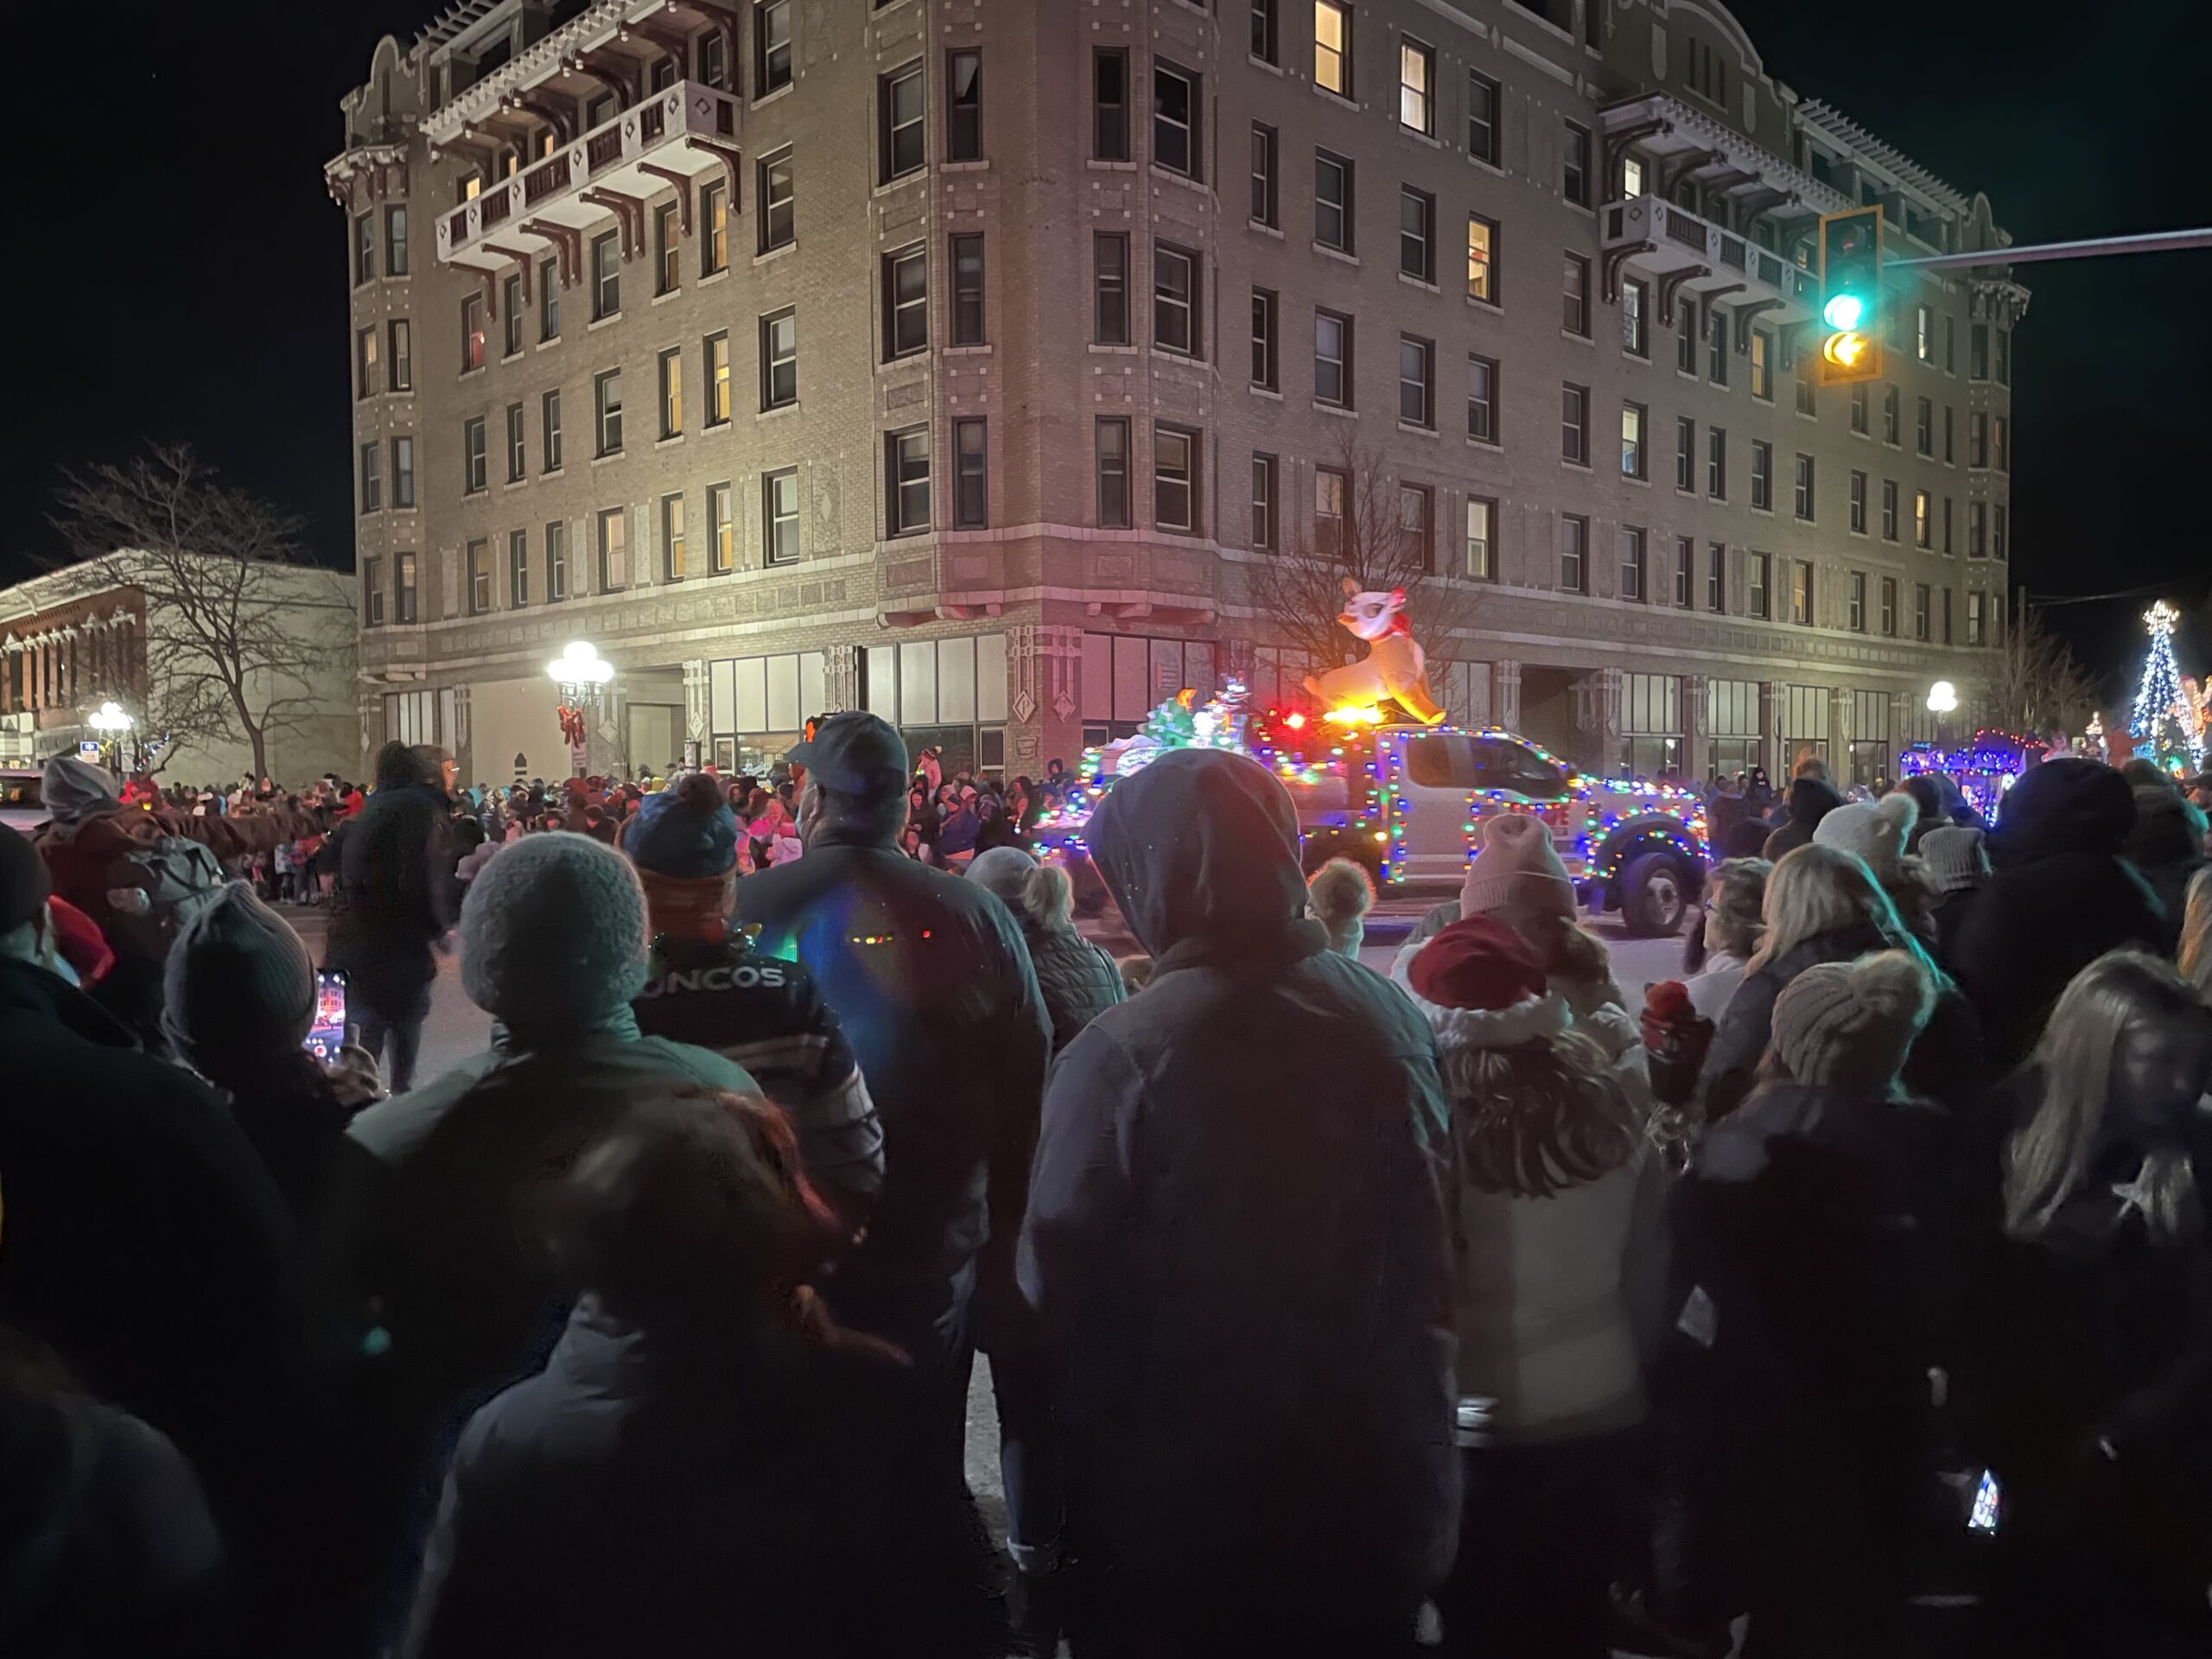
[[1851, 296]]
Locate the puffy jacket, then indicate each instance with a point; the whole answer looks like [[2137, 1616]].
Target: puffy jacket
[[1810, 800], [1078, 980], [396, 865]]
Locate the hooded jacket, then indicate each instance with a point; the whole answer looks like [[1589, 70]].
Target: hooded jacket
[[1235, 1241], [395, 871], [1810, 800]]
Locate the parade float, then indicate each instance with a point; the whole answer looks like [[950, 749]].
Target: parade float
[[1984, 769]]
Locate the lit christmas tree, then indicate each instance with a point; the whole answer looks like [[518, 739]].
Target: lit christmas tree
[[2164, 712]]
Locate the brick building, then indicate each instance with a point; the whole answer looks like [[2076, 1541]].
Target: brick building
[[959, 359]]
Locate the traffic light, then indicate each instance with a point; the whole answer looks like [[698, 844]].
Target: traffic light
[[1851, 296]]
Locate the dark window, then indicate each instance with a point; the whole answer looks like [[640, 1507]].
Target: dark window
[[1175, 300], [970, 483], [1331, 488], [1417, 524], [1632, 557], [1333, 359], [1332, 201], [967, 289], [1635, 304], [1110, 105], [371, 478], [1481, 116], [900, 124], [1417, 234], [395, 241], [1685, 572], [778, 359], [906, 480], [518, 446], [548, 299], [549, 420], [1574, 165], [471, 455], [1416, 381], [1482, 398], [1110, 311], [606, 277], [1175, 137], [518, 569], [714, 226], [780, 515], [905, 302], [1762, 474], [963, 106], [607, 408], [777, 190], [402, 472], [1174, 478], [403, 588], [1575, 309], [510, 315], [1264, 370], [1803, 492], [364, 248], [1112, 443], [556, 560], [772, 43], [1263, 31], [1685, 454], [668, 251], [613, 549], [400, 371], [1574, 424], [1264, 205], [1266, 503], [1716, 464], [1574, 554]]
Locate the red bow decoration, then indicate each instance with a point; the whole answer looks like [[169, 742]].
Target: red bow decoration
[[572, 725]]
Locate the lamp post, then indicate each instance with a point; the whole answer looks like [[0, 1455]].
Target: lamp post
[[583, 676], [114, 728], [1942, 699]]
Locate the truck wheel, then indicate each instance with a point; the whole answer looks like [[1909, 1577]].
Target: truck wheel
[[1655, 895]]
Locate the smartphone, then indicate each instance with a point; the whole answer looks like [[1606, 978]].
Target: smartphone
[[328, 1034], [1988, 1501]]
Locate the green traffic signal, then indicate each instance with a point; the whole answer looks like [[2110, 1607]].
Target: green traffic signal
[[1843, 311]]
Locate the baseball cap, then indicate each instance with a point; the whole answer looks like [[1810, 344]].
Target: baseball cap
[[854, 754]]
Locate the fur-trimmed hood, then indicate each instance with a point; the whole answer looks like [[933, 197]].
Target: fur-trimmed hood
[[1533, 1017]]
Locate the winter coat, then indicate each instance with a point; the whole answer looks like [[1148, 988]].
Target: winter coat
[[1810, 800], [934, 988], [395, 868], [1944, 1064], [1714, 988], [958, 831], [1235, 1242], [143, 1240], [776, 1502], [1078, 980], [768, 1016]]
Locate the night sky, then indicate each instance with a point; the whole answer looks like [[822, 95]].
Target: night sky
[[186, 273]]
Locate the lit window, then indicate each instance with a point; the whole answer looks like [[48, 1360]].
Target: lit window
[[1332, 46]]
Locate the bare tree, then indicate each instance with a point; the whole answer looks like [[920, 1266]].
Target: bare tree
[[239, 630], [1362, 538], [2030, 682]]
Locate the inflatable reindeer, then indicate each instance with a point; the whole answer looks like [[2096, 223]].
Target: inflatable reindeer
[[1395, 668]]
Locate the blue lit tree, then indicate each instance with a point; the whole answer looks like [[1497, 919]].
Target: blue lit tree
[[2163, 714]]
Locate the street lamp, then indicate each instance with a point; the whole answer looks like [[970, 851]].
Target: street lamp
[[114, 728], [582, 675], [1942, 699]]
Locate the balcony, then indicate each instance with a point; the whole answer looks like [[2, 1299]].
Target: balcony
[[1694, 256], [676, 136]]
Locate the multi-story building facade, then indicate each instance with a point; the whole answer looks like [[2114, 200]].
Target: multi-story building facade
[[964, 359]]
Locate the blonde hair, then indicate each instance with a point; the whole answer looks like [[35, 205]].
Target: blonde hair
[[2047, 1158], [1534, 1119], [1048, 897], [1735, 913], [1815, 890], [2196, 934]]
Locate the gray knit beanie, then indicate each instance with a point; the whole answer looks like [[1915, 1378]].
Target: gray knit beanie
[[1004, 871], [239, 984], [553, 936], [1956, 860], [1849, 1024]]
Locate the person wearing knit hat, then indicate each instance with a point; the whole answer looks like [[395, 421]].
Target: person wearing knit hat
[[706, 985], [1956, 863], [1555, 1216], [1517, 872], [1802, 1248], [1877, 831]]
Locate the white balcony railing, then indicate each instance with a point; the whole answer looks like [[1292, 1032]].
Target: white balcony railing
[[1656, 235]]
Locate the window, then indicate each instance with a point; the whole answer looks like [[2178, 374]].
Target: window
[[971, 481], [366, 381], [672, 394], [400, 370], [1175, 300], [1633, 179], [714, 226], [1482, 539], [1761, 366], [1950, 425], [1174, 479], [1950, 345], [1417, 524], [1755, 584], [1481, 259], [1331, 488], [1716, 578], [1265, 206], [907, 473], [772, 47], [1997, 531], [1685, 572], [1263, 30], [1416, 381], [1762, 475], [476, 559], [1576, 311], [402, 589], [1978, 438], [1716, 326], [517, 449], [668, 251], [1481, 116], [1573, 554], [1332, 201], [1716, 463], [1111, 443], [372, 591], [1264, 368], [1574, 424], [1977, 530], [1924, 333], [1978, 350], [779, 359], [1923, 519], [905, 302], [1800, 594], [606, 277], [365, 249], [899, 123], [1977, 618], [1267, 496], [402, 472], [1632, 550], [471, 455], [518, 572], [715, 358], [511, 320], [1889, 509], [1332, 46], [1109, 286], [1892, 431], [2000, 441], [779, 514], [967, 289], [1890, 607], [471, 331], [395, 241], [1333, 359], [1802, 503], [1685, 337], [1417, 234], [548, 421], [1574, 165], [1175, 141], [613, 549], [1110, 105], [963, 106], [777, 189], [713, 62], [1924, 428], [556, 562], [607, 408], [721, 529], [1858, 409], [1859, 504], [371, 477], [1922, 596], [1636, 300], [549, 300], [1633, 417], [1417, 87], [1482, 399]]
